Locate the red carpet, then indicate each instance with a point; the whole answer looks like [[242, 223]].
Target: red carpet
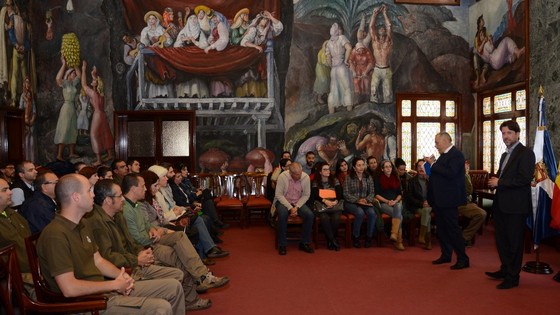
[[371, 281]]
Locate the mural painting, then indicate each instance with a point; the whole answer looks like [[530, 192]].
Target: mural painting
[[350, 58], [498, 30]]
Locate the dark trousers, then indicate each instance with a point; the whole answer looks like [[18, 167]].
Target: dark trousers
[[510, 229], [330, 223], [450, 234]]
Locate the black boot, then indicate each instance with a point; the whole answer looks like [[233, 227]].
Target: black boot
[[335, 245], [330, 245], [356, 242]]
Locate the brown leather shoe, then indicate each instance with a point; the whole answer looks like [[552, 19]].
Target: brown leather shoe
[[208, 262]]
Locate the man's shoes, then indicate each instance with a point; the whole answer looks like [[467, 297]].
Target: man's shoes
[[367, 242], [356, 243], [440, 261], [335, 245], [209, 281], [508, 284], [199, 304], [282, 250], [216, 252], [330, 245], [217, 240], [306, 248], [208, 262], [460, 265], [469, 243], [498, 275]]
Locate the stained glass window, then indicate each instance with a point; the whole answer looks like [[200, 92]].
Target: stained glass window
[[522, 121], [406, 108], [406, 139], [520, 100], [425, 136], [487, 106], [450, 108], [502, 103], [450, 128], [427, 108], [487, 145], [499, 146]]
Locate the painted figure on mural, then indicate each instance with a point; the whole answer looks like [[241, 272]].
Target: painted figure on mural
[[382, 45], [338, 52], [219, 35], [100, 132], [203, 14], [239, 26], [16, 36], [332, 150], [66, 131], [322, 75], [369, 141], [263, 27], [192, 34], [481, 68], [361, 65], [506, 52], [153, 32], [30, 113], [83, 121], [130, 49], [170, 28], [389, 131]]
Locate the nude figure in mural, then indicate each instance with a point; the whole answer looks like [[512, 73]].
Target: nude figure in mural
[[361, 64], [30, 113], [370, 142], [66, 131], [382, 45], [506, 52], [100, 132], [481, 68], [338, 52]]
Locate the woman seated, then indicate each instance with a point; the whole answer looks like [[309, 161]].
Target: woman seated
[[388, 193], [358, 200], [341, 170], [324, 187]]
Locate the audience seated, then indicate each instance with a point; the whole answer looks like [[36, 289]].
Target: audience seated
[[327, 208], [417, 201], [72, 265], [22, 187], [359, 198], [290, 198], [110, 231], [389, 194], [341, 170], [168, 246], [471, 211], [39, 210]]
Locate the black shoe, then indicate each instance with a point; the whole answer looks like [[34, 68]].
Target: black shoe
[[306, 248], [498, 275], [356, 243], [330, 245], [217, 240], [282, 250], [460, 265], [507, 284], [335, 245], [367, 243], [216, 252], [440, 261]]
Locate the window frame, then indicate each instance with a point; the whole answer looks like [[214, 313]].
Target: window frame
[[414, 120]]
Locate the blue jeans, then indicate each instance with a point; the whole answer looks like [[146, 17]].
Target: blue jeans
[[204, 239], [305, 213], [359, 211]]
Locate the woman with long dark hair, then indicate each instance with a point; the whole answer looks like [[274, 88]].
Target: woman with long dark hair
[[341, 170], [389, 194], [327, 208], [359, 196]]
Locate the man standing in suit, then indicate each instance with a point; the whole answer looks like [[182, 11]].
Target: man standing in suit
[[446, 192], [512, 204]]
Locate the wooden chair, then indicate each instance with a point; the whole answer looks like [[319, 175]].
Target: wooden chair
[[293, 232], [228, 201], [42, 290], [11, 289], [256, 203]]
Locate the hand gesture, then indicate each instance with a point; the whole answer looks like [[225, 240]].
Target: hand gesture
[[146, 258], [124, 284]]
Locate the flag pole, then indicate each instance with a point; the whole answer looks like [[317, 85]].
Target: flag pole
[[537, 266]]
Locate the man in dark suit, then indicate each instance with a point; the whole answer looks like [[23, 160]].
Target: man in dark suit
[[446, 192], [512, 204]]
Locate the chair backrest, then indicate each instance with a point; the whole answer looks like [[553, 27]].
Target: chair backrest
[[479, 179], [9, 270], [11, 287], [257, 183]]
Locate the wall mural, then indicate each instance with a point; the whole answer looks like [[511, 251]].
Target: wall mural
[[498, 30], [350, 58], [347, 61]]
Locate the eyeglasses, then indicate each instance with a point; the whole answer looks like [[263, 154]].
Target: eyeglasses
[[117, 196]]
